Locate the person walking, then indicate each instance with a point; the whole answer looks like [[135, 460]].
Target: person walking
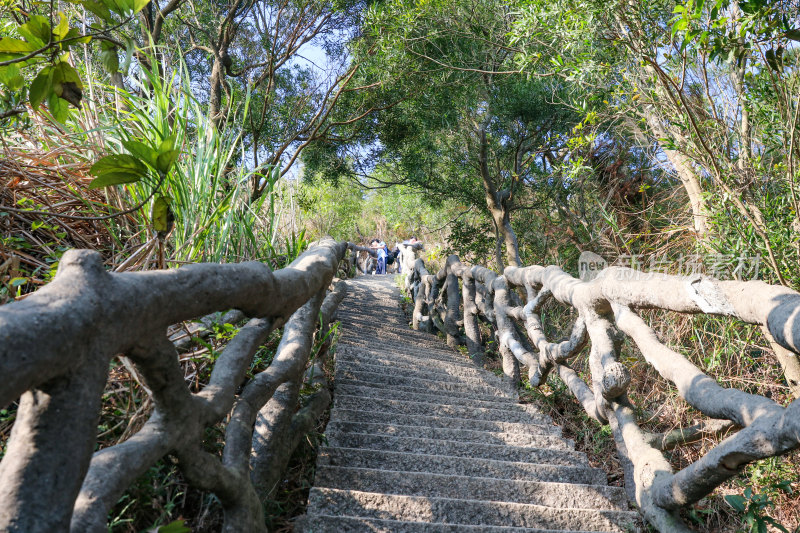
[[380, 248]]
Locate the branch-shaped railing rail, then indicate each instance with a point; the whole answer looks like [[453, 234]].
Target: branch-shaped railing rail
[[55, 350], [608, 309]]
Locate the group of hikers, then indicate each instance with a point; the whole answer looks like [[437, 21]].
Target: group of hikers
[[387, 257]]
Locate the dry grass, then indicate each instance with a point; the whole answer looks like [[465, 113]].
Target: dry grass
[[32, 243]]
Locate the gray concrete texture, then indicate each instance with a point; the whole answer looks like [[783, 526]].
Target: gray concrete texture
[[421, 440]]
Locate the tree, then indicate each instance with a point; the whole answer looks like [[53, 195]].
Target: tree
[[467, 126]]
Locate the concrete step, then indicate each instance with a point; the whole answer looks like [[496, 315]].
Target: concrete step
[[418, 364], [454, 448], [448, 392], [388, 325], [356, 524], [424, 356], [408, 339], [423, 351], [463, 466], [375, 415], [512, 413], [559, 495], [451, 375], [538, 440], [463, 367], [468, 512], [379, 390], [422, 383], [420, 373]]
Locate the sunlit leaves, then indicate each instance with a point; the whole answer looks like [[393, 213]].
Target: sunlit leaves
[[161, 216], [40, 87], [36, 39], [9, 45], [117, 169], [129, 168]]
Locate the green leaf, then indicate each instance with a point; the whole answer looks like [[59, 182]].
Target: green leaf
[[167, 154], [41, 86], [67, 83], [737, 502], [167, 144], [64, 72], [793, 34], [16, 282], [74, 33], [138, 5], [36, 31], [98, 9], [58, 107], [161, 215], [114, 178], [16, 46], [117, 169], [130, 46], [11, 78], [119, 6], [62, 28], [141, 151], [118, 163], [166, 160]]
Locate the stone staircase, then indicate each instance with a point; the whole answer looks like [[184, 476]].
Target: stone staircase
[[420, 440]]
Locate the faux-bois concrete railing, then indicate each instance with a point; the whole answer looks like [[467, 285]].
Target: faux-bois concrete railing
[[55, 350], [608, 308]]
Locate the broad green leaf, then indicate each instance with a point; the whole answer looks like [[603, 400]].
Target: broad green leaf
[[114, 178], [41, 86], [680, 24], [11, 78], [737, 502], [118, 163], [138, 5], [64, 72], [16, 46], [98, 9], [58, 107], [793, 34], [166, 160], [160, 215], [167, 144], [117, 169], [167, 154], [36, 30], [74, 33], [141, 151], [119, 6], [62, 28], [67, 83]]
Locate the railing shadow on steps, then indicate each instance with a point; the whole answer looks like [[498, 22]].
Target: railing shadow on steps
[[55, 349], [607, 310]]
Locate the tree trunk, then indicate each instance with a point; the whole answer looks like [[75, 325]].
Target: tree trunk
[[687, 175]]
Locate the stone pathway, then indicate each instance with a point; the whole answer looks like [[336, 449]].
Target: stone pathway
[[420, 440]]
